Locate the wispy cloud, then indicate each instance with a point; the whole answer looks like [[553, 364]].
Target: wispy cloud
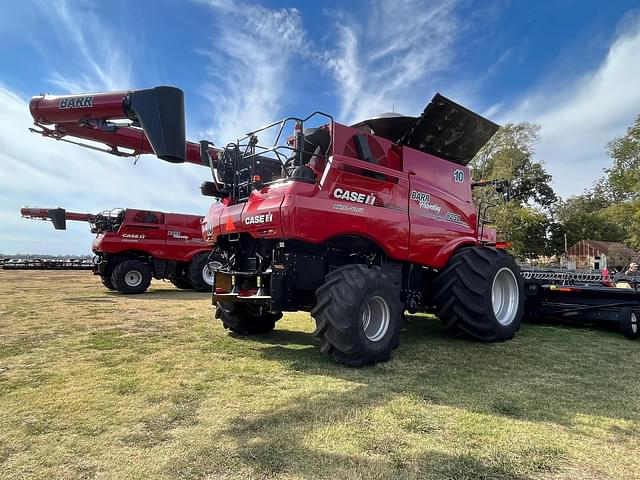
[[94, 57], [250, 63], [384, 60], [578, 118]]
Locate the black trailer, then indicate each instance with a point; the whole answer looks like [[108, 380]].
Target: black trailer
[[582, 297]]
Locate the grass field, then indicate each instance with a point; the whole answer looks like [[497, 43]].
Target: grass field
[[98, 385]]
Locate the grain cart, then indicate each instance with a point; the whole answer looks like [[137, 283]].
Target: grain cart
[[354, 224], [131, 246]]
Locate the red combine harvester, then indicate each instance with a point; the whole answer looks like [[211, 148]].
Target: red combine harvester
[[354, 224], [132, 246]]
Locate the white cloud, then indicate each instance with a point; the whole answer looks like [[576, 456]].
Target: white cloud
[[250, 65], [384, 61], [579, 117], [93, 58]]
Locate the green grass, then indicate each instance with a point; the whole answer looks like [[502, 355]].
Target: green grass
[[97, 385]]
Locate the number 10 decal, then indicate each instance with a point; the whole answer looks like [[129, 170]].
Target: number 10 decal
[[458, 176]]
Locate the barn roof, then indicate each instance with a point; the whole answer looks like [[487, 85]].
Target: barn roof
[[609, 248]]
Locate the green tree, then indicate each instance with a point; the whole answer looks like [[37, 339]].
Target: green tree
[[509, 155], [523, 220], [529, 229], [623, 178]]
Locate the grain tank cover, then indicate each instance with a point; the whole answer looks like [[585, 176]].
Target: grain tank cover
[[449, 131], [445, 129]]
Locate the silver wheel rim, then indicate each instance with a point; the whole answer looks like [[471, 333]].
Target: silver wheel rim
[[634, 323], [133, 278], [375, 318], [207, 272], [505, 296]]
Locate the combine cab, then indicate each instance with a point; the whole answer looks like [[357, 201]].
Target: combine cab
[[132, 246]]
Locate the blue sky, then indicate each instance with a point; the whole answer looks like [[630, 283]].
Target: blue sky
[[572, 66]]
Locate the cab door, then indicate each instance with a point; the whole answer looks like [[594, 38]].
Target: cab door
[[144, 230]]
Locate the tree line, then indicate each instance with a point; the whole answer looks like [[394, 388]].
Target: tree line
[[534, 218]]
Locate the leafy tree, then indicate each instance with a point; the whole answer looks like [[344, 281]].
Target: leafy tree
[[623, 178], [509, 155], [522, 220], [529, 230]]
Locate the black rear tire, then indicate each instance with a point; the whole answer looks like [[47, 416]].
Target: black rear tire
[[106, 281], [246, 319], [131, 276], [358, 315], [629, 323], [480, 293], [199, 274]]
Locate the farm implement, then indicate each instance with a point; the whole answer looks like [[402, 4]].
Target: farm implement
[[132, 246], [583, 297]]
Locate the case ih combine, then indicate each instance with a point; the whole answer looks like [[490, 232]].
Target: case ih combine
[[353, 223], [131, 246]]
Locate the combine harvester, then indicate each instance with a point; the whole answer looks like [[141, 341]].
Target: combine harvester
[[131, 246], [355, 224]]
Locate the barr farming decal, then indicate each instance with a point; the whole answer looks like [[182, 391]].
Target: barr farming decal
[[424, 201], [357, 197], [76, 102], [264, 218], [178, 235]]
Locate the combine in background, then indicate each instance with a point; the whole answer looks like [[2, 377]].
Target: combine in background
[[132, 246]]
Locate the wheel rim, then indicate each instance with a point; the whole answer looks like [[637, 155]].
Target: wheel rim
[[207, 272], [375, 318], [505, 296], [133, 278], [634, 323]]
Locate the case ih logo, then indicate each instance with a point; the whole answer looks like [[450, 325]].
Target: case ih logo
[[264, 218], [367, 199], [75, 102], [136, 236]]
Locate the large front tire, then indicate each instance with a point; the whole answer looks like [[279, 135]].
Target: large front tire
[[358, 315], [245, 318], [480, 293], [131, 276]]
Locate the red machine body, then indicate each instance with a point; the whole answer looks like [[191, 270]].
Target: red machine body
[[167, 242], [405, 210]]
